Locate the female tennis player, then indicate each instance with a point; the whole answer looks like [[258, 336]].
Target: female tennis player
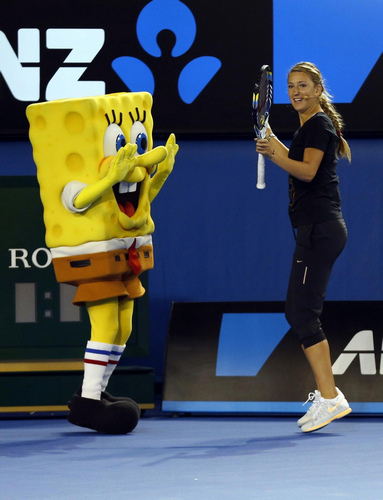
[[319, 228]]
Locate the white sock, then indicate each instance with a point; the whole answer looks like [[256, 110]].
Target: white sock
[[114, 358], [95, 363]]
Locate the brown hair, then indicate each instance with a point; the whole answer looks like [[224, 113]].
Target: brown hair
[[325, 102]]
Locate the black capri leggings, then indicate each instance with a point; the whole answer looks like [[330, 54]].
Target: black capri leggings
[[317, 248]]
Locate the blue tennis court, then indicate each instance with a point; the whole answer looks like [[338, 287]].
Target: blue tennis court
[[192, 457]]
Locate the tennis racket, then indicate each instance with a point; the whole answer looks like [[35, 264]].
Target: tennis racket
[[262, 96]]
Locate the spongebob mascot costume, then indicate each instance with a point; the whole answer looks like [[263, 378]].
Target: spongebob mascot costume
[[98, 174]]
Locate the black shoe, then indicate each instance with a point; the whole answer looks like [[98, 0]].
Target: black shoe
[[113, 399], [120, 417]]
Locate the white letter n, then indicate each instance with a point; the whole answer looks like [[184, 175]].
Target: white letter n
[[23, 82]]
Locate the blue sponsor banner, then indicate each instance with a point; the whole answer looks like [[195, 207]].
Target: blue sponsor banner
[[196, 58], [241, 357], [337, 42]]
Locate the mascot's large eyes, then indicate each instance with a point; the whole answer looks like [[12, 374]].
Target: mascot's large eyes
[[120, 141], [139, 136], [114, 139]]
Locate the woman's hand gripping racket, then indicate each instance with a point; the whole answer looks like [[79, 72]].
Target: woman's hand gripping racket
[[262, 97]]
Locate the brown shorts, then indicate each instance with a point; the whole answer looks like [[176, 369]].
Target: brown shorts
[[104, 275]]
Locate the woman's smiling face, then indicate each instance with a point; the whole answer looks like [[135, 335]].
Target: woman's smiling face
[[303, 93]]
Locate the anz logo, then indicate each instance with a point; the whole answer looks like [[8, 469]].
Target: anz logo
[[176, 17], [360, 346], [21, 71]]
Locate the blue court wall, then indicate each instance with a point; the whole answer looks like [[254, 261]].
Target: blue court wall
[[218, 238]]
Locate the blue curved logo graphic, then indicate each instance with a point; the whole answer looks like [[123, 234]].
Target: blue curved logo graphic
[[175, 16]]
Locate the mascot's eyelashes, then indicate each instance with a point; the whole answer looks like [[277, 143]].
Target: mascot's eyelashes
[[130, 114], [138, 116], [114, 118]]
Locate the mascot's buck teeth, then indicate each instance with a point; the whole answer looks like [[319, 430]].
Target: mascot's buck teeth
[[127, 187]]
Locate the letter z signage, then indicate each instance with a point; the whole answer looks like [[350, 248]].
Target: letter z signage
[[21, 71]]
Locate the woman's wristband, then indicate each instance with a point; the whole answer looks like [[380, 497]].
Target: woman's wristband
[[270, 136]]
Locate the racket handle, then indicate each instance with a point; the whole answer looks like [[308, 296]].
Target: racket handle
[[261, 172]]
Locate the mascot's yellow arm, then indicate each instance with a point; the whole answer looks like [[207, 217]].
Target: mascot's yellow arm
[[164, 168]]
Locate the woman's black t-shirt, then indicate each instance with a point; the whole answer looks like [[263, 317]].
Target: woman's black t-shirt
[[318, 200]]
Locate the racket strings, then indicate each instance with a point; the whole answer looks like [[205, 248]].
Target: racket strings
[[264, 98]]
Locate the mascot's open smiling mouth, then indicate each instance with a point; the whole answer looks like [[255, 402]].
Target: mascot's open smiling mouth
[[132, 193], [127, 195]]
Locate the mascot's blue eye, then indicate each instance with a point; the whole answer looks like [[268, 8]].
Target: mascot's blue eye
[[120, 141], [142, 143]]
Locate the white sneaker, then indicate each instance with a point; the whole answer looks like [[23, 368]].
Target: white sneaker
[[314, 397], [326, 411]]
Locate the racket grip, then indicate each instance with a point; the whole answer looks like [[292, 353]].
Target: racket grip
[[261, 172]]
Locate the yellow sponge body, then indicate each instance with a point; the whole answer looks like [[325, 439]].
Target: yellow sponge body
[[67, 137]]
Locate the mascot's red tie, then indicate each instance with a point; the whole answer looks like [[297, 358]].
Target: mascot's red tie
[[134, 260]]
